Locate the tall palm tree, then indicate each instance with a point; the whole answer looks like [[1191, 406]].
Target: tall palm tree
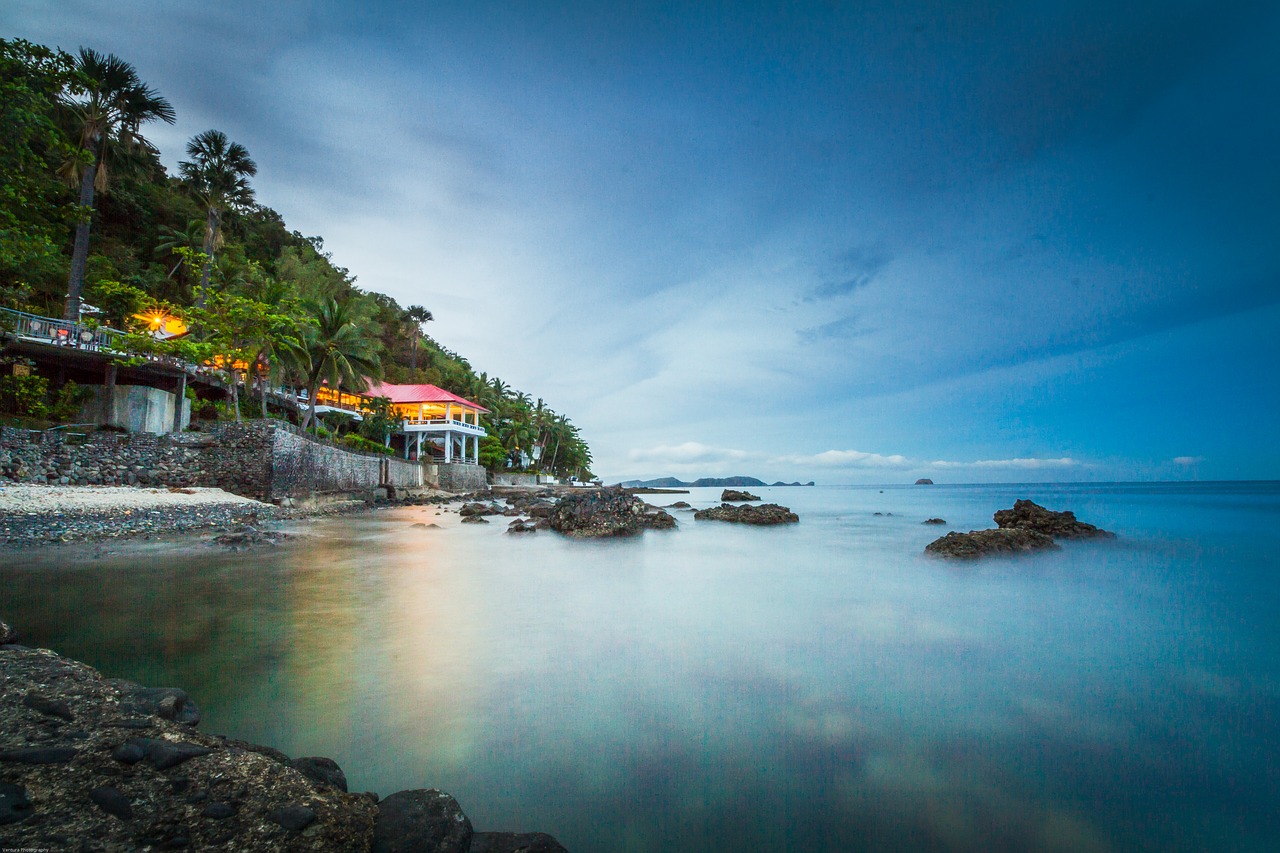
[[110, 109], [338, 350], [218, 172], [415, 315]]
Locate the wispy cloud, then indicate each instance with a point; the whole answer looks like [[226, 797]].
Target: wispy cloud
[[1187, 460], [1031, 463]]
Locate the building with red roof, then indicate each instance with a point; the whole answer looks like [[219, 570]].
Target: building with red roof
[[432, 419]]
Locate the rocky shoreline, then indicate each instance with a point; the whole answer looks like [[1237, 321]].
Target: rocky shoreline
[[92, 763]]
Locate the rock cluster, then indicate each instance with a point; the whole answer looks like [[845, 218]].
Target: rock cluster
[[36, 528], [606, 512], [88, 763], [1024, 528], [1028, 515], [733, 495], [981, 543], [747, 514]]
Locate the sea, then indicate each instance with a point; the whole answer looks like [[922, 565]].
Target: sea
[[823, 686]]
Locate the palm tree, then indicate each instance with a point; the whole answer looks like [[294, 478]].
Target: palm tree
[[416, 315], [219, 172], [113, 105], [338, 351]]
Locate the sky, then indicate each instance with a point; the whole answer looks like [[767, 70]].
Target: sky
[[846, 242]]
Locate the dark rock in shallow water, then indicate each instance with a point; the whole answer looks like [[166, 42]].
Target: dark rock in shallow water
[[934, 521], [1028, 515], [421, 822], [679, 505], [294, 817], [476, 509], [606, 512], [748, 514], [53, 707], [515, 842], [39, 755], [520, 525], [169, 703], [983, 543], [7, 634], [164, 754], [249, 536], [322, 771], [924, 481], [474, 519], [14, 805], [111, 801], [733, 495]]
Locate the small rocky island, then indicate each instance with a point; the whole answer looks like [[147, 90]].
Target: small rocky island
[[88, 763], [764, 514], [606, 513], [735, 495], [1024, 528]]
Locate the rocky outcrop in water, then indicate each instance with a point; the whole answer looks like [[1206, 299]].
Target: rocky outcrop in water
[[747, 514], [733, 495], [924, 481], [934, 521], [88, 763], [984, 543], [606, 512], [1028, 515]]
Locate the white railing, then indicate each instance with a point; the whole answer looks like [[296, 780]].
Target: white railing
[[444, 424], [47, 330]]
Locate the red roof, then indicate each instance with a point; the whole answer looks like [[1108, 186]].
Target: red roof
[[417, 394]]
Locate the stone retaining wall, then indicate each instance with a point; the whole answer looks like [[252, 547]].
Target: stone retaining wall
[[266, 460], [454, 476]]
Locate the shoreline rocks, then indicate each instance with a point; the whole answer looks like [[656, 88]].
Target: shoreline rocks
[[983, 543], [1028, 515], [764, 514], [606, 513], [733, 495], [92, 762]]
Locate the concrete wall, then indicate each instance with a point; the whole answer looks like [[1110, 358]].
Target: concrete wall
[[302, 466], [455, 476], [136, 408]]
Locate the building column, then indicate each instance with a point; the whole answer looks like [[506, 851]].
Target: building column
[[448, 447]]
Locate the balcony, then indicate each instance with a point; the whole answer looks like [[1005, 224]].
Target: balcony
[[437, 425]]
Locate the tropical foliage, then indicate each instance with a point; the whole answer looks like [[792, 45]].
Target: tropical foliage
[[87, 209]]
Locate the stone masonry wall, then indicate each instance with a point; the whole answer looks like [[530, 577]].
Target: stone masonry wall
[[455, 476], [261, 459]]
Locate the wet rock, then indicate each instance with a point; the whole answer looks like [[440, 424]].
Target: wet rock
[[734, 495], [218, 811], [111, 801], [163, 754], [520, 525], [474, 519], [128, 753], [294, 817], [14, 805], [168, 703], [515, 842], [765, 514], [421, 821], [322, 771], [679, 505], [39, 755], [1028, 515], [53, 707], [604, 513], [983, 543], [934, 521], [7, 634], [248, 537], [924, 481], [474, 509]]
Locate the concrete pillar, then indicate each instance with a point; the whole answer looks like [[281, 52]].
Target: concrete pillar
[[448, 447], [177, 403]]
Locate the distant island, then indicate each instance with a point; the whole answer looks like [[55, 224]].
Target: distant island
[[673, 483]]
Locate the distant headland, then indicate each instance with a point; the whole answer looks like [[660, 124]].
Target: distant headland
[[716, 482]]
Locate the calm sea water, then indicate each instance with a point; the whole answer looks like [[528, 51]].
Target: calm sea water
[[818, 687]]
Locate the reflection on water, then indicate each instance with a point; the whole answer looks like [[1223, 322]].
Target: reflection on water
[[822, 686]]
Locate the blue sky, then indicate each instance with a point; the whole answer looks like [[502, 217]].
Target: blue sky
[[860, 242]]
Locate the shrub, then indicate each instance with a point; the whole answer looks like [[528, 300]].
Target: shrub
[[25, 395], [359, 442]]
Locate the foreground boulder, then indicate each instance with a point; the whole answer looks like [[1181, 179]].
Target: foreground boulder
[[92, 764], [983, 543], [732, 495], [1028, 515], [747, 514], [605, 513]]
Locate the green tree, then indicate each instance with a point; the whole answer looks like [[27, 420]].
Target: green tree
[[416, 316], [111, 106], [338, 349], [218, 173]]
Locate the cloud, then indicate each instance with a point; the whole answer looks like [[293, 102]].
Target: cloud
[[1187, 460], [847, 459], [1031, 463], [689, 452]]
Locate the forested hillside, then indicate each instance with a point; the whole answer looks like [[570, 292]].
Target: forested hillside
[[88, 214]]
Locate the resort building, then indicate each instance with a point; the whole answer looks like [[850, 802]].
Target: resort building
[[433, 421]]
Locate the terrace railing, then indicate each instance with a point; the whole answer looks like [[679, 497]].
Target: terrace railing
[[47, 330]]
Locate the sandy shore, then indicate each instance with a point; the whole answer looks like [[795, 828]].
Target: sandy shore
[[34, 515], [24, 498]]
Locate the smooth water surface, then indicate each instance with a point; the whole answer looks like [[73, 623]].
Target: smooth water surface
[[822, 686]]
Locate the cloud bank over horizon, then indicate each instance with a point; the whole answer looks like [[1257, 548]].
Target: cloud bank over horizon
[[994, 243]]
